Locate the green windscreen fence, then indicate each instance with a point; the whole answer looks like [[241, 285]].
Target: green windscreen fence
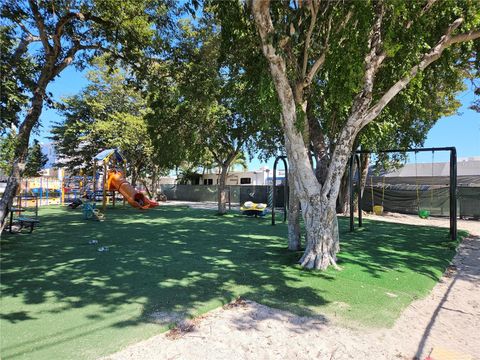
[[238, 193], [403, 199]]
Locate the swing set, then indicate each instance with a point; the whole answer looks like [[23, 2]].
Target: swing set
[[422, 212], [377, 209]]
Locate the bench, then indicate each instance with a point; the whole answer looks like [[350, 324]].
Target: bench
[[27, 221]]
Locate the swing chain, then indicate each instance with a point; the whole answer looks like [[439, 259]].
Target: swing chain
[[416, 183], [432, 187]]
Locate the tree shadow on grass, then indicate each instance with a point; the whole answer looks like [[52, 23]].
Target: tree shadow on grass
[[170, 260], [178, 261], [384, 246]]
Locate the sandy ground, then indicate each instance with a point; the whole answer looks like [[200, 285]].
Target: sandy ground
[[447, 319], [472, 226]]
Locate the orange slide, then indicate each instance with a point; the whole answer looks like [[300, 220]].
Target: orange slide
[[116, 181]]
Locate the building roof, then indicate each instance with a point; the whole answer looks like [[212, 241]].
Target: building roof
[[465, 167]]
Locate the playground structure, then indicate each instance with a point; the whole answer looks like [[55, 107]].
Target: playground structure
[[77, 187], [113, 166], [41, 191], [90, 211], [250, 208], [422, 212]]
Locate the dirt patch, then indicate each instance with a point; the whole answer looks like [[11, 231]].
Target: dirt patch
[[166, 318], [181, 329], [472, 226], [238, 302]]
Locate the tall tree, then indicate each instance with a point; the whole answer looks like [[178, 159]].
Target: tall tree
[[70, 33], [7, 149], [16, 68], [36, 160], [206, 104], [379, 48], [108, 113]]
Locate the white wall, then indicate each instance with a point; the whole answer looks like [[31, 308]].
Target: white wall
[[258, 177]]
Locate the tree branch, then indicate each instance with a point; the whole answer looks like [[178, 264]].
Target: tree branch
[[444, 42], [427, 7], [40, 25], [316, 66], [67, 60], [23, 45], [65, 20], [321, 59], [23, 27], [308, 37], [294, 141], [60, 25], [96, 19], [373, 60]]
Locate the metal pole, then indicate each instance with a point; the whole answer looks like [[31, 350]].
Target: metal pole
[[283, 158], [285, 192], [94, 180], [229, 197], [274, 189], [104, 199], [449, 148], [41, 191], [453, 180], [125, 176], [359, 190], [350, 189], [453, 194], [450, 197]]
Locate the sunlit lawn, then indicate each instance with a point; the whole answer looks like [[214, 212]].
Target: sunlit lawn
[[62, 299]]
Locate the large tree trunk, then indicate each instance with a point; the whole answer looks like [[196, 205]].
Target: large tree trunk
[[318, 207], [222, 190], [153, 183], [8, 195], [323, 241], [343, 200], [144, 183], [135, 175], [21, 151], [294, 235], [51, 68]]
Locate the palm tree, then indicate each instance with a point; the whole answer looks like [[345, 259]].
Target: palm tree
[[239, 160]]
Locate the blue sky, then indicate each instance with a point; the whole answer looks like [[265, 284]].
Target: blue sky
[[461, 130]]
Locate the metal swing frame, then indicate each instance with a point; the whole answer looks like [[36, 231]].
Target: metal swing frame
[[285, 188], [355, 157]]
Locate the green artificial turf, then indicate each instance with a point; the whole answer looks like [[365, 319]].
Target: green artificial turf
[[62, 299]]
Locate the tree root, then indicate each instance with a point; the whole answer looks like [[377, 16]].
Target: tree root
[[311, 260]]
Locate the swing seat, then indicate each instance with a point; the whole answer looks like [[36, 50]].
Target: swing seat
[[378, 209], [424, 214]]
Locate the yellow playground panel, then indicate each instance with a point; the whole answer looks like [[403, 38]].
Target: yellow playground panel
[[47, 190]]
